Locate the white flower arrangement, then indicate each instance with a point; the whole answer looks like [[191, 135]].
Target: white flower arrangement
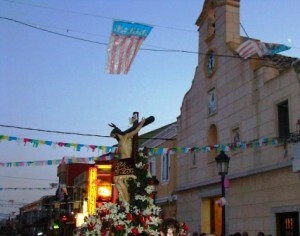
[[142, 198], [140, 165], [138, 216]]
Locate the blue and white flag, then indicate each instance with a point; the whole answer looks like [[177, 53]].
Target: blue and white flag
[[125, 41], [251, 47], [272, 48]]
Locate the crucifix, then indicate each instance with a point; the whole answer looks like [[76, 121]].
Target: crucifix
[[127, 153]]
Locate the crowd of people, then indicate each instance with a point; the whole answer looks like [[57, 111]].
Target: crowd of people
[[246, 234], [171, 227]]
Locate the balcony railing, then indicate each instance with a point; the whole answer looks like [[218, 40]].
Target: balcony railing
[[294, 137]]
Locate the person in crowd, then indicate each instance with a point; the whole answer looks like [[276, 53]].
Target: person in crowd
[[245, 233], [260, 234]]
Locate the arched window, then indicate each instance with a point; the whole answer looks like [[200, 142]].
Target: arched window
[[211, 22], [212, 140], [165, 167]]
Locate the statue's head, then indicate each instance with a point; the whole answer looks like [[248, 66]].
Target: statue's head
[[114, 133]]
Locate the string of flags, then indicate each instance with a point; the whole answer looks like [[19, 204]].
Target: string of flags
[[67, 160], [63, 187], [75, 146], [42, 189], [159, 150], [109, 150], [251, 47]]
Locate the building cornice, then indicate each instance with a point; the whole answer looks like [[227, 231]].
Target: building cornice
[[248, 173]]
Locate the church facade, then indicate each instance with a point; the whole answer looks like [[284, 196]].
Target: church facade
[[248, 108]]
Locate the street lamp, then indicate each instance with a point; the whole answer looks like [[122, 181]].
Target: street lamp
[[223, 163]]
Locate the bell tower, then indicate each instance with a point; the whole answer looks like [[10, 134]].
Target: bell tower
[[218, 23], [218, 29]]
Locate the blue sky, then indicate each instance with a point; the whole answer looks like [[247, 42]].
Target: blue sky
[[56, 83]]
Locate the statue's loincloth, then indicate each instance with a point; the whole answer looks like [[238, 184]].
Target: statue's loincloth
[[125, 167]]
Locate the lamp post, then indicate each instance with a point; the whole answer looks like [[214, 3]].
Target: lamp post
[[223, 163]]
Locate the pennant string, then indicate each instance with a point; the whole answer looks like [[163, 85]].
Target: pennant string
[[112, 149]]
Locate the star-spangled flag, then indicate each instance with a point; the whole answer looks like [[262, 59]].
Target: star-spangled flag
[[125, 40], [251, 47], [248, 49]]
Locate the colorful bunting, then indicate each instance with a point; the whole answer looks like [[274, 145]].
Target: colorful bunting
[[75, 146], [68, 160], [108, 149], [53, 186], [5, 189]]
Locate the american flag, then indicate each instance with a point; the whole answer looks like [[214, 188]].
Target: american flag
[[248, 49], [251, 47], [125, 41]]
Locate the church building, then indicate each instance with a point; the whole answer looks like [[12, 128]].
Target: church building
[[244, 100]]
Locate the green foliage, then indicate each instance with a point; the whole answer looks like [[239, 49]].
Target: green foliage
[[138, 217]]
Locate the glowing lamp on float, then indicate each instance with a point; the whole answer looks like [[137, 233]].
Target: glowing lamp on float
[[105, 191], [104, 187]]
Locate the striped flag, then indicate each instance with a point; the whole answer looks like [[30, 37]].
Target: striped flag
[[125, 41], [251, 47], [248, 49]]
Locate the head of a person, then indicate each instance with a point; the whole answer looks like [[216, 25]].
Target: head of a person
[[245, 233], [170, 227], [114, 133], [260, 234]]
